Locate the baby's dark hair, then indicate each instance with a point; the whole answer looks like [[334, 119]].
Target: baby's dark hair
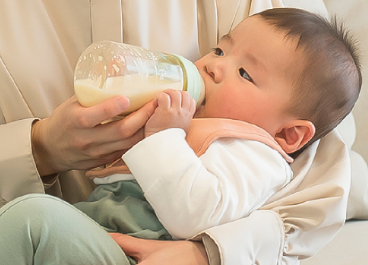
[[326, 89]]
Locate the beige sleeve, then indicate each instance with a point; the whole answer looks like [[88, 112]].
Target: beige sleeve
[[19, 174], [298, 220], [257, 239]]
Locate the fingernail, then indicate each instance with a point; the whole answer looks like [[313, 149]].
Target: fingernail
[[123, 103]]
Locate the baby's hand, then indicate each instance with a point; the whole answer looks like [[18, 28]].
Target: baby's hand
[[175, 109]]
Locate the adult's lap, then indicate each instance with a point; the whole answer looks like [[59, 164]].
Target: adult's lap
[[41, 229]]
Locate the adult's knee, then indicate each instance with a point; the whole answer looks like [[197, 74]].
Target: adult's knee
[[30, 206]]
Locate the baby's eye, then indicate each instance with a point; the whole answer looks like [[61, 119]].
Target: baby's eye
[[218, 51], [244, 74]]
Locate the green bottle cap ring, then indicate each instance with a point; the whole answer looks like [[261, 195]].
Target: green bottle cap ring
[[194, 82]]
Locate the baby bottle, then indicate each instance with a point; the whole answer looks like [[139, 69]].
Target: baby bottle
[[107, 68]]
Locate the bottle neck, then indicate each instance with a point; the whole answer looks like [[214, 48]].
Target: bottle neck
[[193, 82]]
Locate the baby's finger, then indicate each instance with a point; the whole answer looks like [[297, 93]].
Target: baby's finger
[[193, 106], [163, 100], [185, 100], [175, 97]]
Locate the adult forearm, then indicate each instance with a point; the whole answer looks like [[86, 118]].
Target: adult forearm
[[44, 160]]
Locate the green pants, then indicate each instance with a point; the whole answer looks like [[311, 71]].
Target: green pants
[[121, 207], [40, 229]]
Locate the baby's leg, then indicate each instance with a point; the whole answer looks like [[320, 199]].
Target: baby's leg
[[41, 229], [121, 207]]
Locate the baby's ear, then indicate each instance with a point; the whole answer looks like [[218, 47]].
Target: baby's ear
[[295, 135]]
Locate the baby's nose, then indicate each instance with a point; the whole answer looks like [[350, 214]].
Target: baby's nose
[[215, 71]]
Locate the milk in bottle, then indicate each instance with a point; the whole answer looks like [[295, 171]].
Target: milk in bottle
[[107, 68]]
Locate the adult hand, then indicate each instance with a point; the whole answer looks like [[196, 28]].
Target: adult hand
[[155, 252], [74, 138], [175, 109]]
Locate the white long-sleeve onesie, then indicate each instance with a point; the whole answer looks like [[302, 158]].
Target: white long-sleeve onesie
[[190, 194]]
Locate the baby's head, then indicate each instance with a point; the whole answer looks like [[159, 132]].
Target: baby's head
[[288, 71]]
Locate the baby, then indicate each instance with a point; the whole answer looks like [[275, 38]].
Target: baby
[[278, 82]]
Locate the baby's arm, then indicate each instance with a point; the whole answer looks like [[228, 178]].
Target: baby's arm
[[190, 194], [175, 109]]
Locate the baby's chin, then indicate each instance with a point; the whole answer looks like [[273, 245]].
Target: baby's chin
[[197, 114]]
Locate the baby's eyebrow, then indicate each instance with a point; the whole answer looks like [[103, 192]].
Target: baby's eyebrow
[[227, 37]]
